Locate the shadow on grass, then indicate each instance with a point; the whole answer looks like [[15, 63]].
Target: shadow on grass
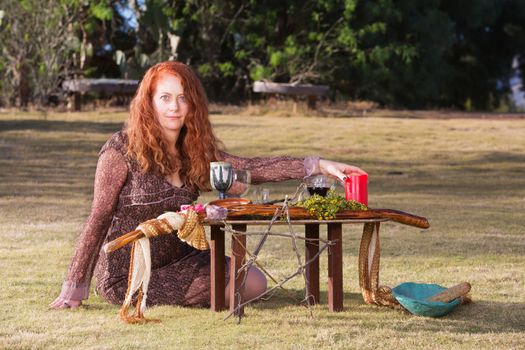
[[53, 125], [290, 297], [232, 126], [42, 163], [476, 318], [500, 157]]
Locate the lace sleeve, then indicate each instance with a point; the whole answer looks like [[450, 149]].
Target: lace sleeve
[[109, 178], [274, 169]]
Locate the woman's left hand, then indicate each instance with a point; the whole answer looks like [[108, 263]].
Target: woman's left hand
[[339, 170]]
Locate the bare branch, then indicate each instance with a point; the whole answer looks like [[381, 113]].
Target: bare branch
[[309, 71], [234, 18]]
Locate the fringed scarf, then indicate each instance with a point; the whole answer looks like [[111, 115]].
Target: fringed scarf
[[189, 229]]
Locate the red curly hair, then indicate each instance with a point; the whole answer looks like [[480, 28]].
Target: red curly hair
[[197, 145]]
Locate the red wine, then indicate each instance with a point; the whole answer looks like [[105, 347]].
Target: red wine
[[322, 191]]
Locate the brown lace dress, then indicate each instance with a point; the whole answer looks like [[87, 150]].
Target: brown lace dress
[[124, 196]]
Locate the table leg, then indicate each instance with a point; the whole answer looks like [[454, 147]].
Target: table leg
[[238, 258], [335, 268], [312, 269], [369, 254], [217, 268]]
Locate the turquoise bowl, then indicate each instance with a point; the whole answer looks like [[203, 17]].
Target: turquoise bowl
[[413, 298]]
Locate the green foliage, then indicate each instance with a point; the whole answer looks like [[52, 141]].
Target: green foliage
[[326, 208], [227, 69], [101, 10], [260, 72], [406, 53], [205, 70], [277, 59]]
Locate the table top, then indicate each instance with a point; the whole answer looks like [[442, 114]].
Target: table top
[[294, 222], [262, 214]]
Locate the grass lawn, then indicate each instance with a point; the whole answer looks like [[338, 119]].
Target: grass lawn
[[466, 175]]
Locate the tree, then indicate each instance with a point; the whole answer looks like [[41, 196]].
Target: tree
[[37, 42], [488, 35], [436, 53], [401, 53]]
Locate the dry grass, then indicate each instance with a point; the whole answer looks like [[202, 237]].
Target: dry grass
[[465, 175]]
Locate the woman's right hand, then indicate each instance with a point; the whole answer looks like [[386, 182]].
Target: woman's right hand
[[61, 303]]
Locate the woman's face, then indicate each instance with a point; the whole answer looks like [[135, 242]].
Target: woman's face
[[170, 104]]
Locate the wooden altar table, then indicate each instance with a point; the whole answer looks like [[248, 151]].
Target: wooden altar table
[[311, 230]]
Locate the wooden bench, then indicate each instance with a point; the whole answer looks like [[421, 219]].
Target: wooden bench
[[312, 92], [77, 87]]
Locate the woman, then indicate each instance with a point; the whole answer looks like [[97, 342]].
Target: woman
[[159, 161]]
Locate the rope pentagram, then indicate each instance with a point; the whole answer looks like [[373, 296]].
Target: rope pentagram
[[281, 213]]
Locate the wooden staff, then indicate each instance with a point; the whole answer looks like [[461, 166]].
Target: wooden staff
[[123, 240], [401, 217], [296, 213]]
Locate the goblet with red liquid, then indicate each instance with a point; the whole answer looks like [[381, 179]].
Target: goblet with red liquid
[[319, 184]]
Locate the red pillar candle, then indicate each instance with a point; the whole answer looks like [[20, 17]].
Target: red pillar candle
[[356, 188]]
